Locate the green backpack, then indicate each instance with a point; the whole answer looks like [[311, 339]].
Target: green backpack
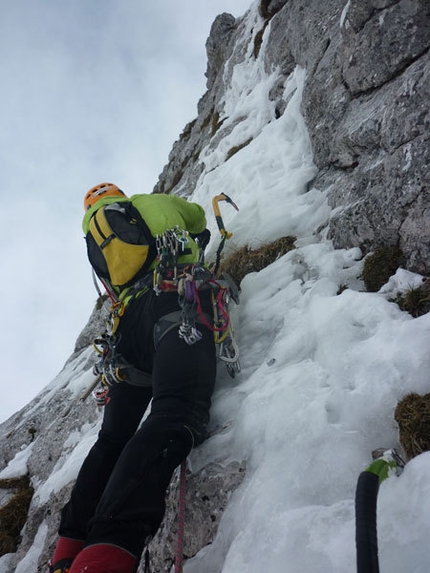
[[120, 246]]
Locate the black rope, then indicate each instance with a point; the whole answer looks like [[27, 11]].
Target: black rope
[[366, 538], [218, 255], [147, 567]]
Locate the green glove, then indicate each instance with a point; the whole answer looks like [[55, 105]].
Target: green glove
[[388, 464]]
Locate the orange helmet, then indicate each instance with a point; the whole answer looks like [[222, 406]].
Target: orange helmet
[[99, 191]]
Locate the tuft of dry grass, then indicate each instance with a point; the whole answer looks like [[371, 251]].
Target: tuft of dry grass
[[412, 415], [216, 123], [237, 148], [264, 9], [246, 260], [187, 130], [417, 300], [380, 266], [13, 515], [258, 41]]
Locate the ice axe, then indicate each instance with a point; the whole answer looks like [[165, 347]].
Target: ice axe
[[218, 218], [224, 234]]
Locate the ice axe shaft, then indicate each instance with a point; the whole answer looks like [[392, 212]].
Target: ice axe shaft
[[90, 388]]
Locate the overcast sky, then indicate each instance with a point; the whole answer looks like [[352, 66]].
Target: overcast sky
[[91, 91]]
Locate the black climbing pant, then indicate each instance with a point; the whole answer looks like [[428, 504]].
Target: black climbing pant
[[118, 497]]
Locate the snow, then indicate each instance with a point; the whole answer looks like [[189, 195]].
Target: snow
[[344, 13], [401, 282], [74, 377], [17, 467], [66, 469], [323, 365], [32, 556], [267, 179]]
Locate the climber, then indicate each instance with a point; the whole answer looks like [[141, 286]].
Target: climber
[[117, 503]]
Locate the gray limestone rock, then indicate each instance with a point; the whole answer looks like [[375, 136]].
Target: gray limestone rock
[[95, 325], [207, 494], [366, 107], [218, 45], [386, 44]]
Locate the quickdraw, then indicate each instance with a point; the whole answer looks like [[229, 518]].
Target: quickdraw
[[187, 298], [224, 337], [170, 246], [111, 366], [192, 312]]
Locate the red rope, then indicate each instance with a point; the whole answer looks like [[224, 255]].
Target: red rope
[[219, 303], [181, 519]]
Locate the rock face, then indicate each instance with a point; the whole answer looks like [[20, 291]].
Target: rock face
[[370, 128], [366, 106], [207, 493]]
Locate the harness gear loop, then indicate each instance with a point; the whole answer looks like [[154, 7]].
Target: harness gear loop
[[112, 368]]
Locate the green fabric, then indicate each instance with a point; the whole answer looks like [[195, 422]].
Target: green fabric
[[161, 212], [382, 468]]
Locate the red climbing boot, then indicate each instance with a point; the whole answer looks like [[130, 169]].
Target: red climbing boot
[[65, 551], [104, 558]]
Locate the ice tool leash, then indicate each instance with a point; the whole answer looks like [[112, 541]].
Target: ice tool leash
[[224, 336]]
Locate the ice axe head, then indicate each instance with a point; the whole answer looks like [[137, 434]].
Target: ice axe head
[[218, 218]]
